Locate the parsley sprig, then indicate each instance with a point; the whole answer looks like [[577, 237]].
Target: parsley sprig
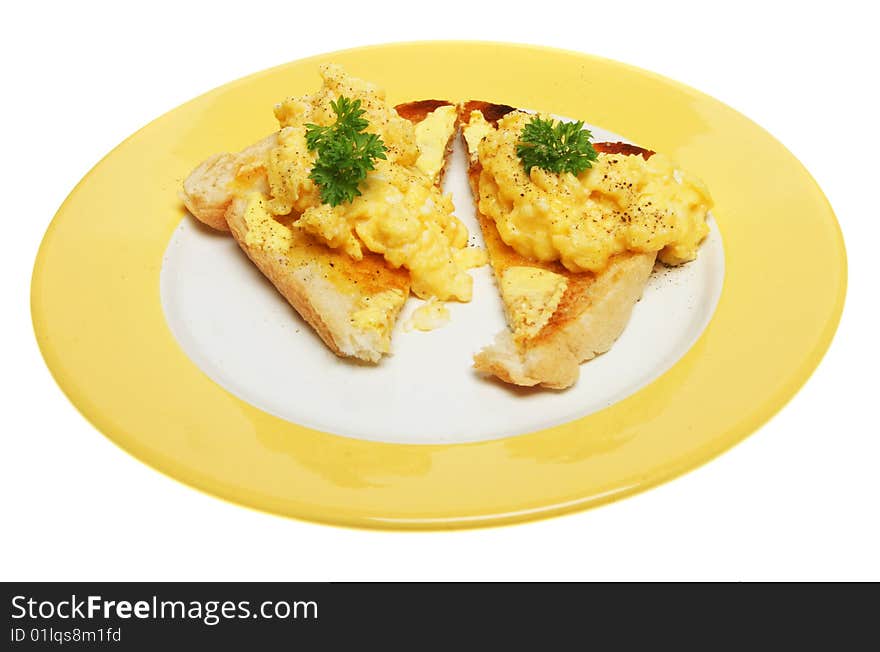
[[556, 146], [345, 152]]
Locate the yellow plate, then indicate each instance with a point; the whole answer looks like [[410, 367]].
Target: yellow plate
[[100, 324]]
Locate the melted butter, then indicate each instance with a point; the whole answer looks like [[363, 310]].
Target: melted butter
[[432, 135], [531, 296]]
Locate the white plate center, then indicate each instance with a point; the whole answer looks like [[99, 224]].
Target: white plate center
[[233, 324]]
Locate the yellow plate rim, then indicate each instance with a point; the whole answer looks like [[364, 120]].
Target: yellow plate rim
[[367, 484]]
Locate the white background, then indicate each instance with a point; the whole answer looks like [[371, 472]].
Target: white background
[[797, 500]]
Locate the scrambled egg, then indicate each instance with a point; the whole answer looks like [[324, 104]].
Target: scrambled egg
[[476, 130], [400, 214], [430, 315], [623, 203], [431, 137]]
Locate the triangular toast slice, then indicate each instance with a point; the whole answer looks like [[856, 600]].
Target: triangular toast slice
[[557, 318], [352, 305]]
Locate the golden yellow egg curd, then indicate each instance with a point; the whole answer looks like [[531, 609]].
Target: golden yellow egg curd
[[397, 211], [622, 203]]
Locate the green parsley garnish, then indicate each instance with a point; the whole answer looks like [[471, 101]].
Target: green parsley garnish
[[345, 153], [556, 147]]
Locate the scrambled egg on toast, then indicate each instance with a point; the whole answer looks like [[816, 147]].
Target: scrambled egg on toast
[[352, 303], [559, 314]]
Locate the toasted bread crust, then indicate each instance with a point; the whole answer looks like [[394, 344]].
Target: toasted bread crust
[[325, 286], [206, 190], [417, 111], [592, 313], [492, 113], [624, 148]]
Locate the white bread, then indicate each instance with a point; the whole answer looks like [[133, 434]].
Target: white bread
[[553, 359], [206, 191]]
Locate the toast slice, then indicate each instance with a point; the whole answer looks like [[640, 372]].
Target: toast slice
[[352, 305], [561, 318]]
